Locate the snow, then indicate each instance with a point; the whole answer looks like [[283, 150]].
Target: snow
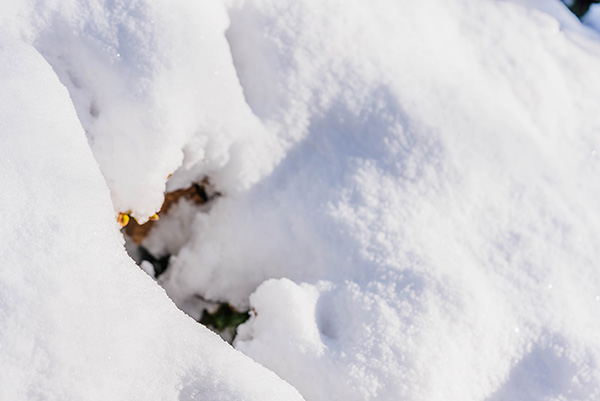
[[78, 319], [592, 18], [128, 67], [437, 213], [409, 199]]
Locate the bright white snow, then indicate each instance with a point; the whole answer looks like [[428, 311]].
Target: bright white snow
[[153, 84], [78, 319], [441, 204], [410, 198]]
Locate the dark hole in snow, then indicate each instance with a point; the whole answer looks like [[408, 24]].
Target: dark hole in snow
[[580, 7], [222, 318], [160, 264]]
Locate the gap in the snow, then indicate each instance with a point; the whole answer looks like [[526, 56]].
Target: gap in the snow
[[580, 7], [220, 317]]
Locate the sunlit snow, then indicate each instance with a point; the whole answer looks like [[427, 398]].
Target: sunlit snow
[[408, 199]]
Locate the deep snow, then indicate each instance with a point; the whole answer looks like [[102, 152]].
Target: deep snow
[[409, 198], [78, 319]]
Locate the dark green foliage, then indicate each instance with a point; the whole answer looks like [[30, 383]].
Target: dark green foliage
[[224, 318]]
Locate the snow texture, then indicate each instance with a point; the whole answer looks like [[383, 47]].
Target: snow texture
[[435, 224], [78, 319], [154, 88], [409, 199]]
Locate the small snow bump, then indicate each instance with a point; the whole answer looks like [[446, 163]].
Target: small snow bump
[[148, 268]]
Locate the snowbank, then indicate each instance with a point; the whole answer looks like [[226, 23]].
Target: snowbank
[[410, 199], [78, 319], [154, 88], [437, 216]]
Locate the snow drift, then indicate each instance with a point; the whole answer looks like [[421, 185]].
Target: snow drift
[[154, 88], [409, 198], [78, 319], [439, 207]]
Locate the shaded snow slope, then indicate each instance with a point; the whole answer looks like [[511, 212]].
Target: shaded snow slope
[[78, 319], [592, 18]]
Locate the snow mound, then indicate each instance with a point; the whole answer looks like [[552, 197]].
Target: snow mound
[[78, 319], [434, 227], [592, 18], [410, 199], [154, 88]]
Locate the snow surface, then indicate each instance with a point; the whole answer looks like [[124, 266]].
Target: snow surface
[[438, 216], [592, 18], [409, 199], [154, 88], [78, 319]]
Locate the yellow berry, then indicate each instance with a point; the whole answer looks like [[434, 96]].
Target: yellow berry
[[123, 219]]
